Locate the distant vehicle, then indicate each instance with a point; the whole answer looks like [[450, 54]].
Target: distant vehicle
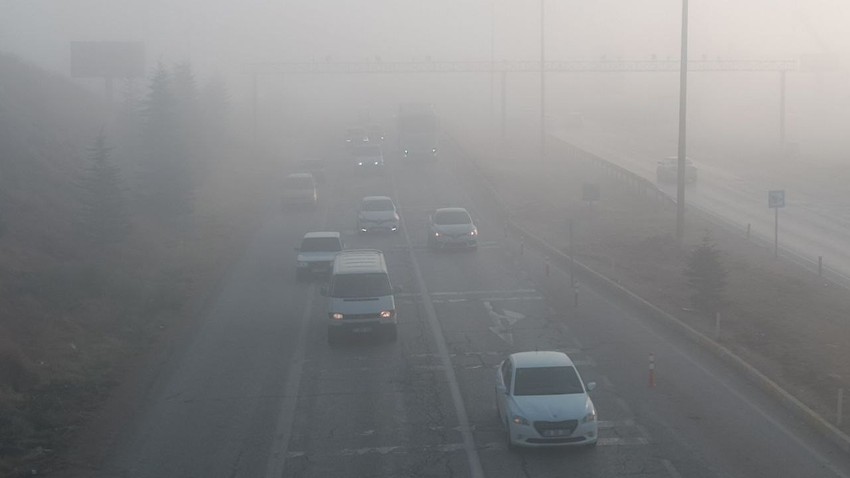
[[356, 137], [360, 296], [314, 166], [667, 170], [299, 189], [368, 156], [316, 253], [417, 131], [542, 401], [377, 213], [452, 227], [375, 134]]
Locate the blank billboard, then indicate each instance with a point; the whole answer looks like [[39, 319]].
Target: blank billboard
[[107, 59]]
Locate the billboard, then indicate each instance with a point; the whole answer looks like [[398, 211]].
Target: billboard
[[107, 59]]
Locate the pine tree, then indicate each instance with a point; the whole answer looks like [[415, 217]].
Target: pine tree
[[707, 277], [166, 185], [104, 216]]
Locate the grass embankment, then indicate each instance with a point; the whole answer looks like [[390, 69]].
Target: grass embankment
[[73, 315]]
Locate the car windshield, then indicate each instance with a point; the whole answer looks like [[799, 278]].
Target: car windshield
[[378, 205], [547, 381], [348, 286], [367, 151], [452, 217], [298, 182], [320, 244]]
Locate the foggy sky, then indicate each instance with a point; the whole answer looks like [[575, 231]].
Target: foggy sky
[[223, 35]]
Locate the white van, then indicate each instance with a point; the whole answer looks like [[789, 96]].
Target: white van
[[360, 296]]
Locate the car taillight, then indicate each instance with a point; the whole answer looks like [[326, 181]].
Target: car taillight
[[387, 314], [336, 316]]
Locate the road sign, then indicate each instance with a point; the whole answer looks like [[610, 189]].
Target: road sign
[[776, 199]]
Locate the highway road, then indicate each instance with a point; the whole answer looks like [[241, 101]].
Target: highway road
[[811, 224], [256, 391]]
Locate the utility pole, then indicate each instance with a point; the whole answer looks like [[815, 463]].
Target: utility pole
[[492, 67], [683, 109], [542, 82]]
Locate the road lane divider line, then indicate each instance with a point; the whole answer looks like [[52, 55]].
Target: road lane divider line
[[286, 416], [475, 468]]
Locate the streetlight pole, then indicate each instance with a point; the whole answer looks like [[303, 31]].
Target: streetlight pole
[[542, 83], [493, 70], [683, 108]]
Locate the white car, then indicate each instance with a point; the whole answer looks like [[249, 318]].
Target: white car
[[667, 170], [452, 227], [299, 189], [377, 213], [542, 401], [316, 253]]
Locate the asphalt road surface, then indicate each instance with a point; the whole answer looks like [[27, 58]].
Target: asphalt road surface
[[258, 392]]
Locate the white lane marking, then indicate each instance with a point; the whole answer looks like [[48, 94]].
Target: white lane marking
[[444, 448], [516, 293], [625, 441], [503, 323], [286, 416], [475, 468], [670, 469]]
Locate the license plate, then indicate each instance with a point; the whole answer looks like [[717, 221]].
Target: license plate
[[555, 433], [361, 330]]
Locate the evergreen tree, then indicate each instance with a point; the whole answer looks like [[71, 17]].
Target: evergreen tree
[[707, 277], [166, 183], [104, 215]]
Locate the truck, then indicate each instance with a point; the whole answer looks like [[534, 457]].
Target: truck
[[417, 131]]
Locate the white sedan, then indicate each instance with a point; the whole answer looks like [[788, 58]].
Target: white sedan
[[542, 401]]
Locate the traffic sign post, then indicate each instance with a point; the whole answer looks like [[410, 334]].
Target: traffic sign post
[[776, 200]]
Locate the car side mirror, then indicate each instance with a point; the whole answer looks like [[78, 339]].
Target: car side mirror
[[590, 386], [323, 291]]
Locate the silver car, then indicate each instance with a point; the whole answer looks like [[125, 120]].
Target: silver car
[[368, 157], [452, 227], [377, 213], [316, 253]]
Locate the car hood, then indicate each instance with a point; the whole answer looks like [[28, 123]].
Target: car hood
[[378, 216], [453, 229], [319, 256], [551, 407]]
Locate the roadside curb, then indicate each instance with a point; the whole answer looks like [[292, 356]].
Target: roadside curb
[[838, 437]]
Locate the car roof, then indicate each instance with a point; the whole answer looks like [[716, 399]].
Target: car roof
[[540, 359], [376, 198], [321, 234], [451, 209], [358, 261]]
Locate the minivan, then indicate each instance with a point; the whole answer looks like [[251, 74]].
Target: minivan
[[360, 296]]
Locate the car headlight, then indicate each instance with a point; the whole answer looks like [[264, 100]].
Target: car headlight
[[337, 316], [590, 416], [376, 163], [387, 314], [473, 232], [360, 163], [405, 152], [520, 420], [436, 234]]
